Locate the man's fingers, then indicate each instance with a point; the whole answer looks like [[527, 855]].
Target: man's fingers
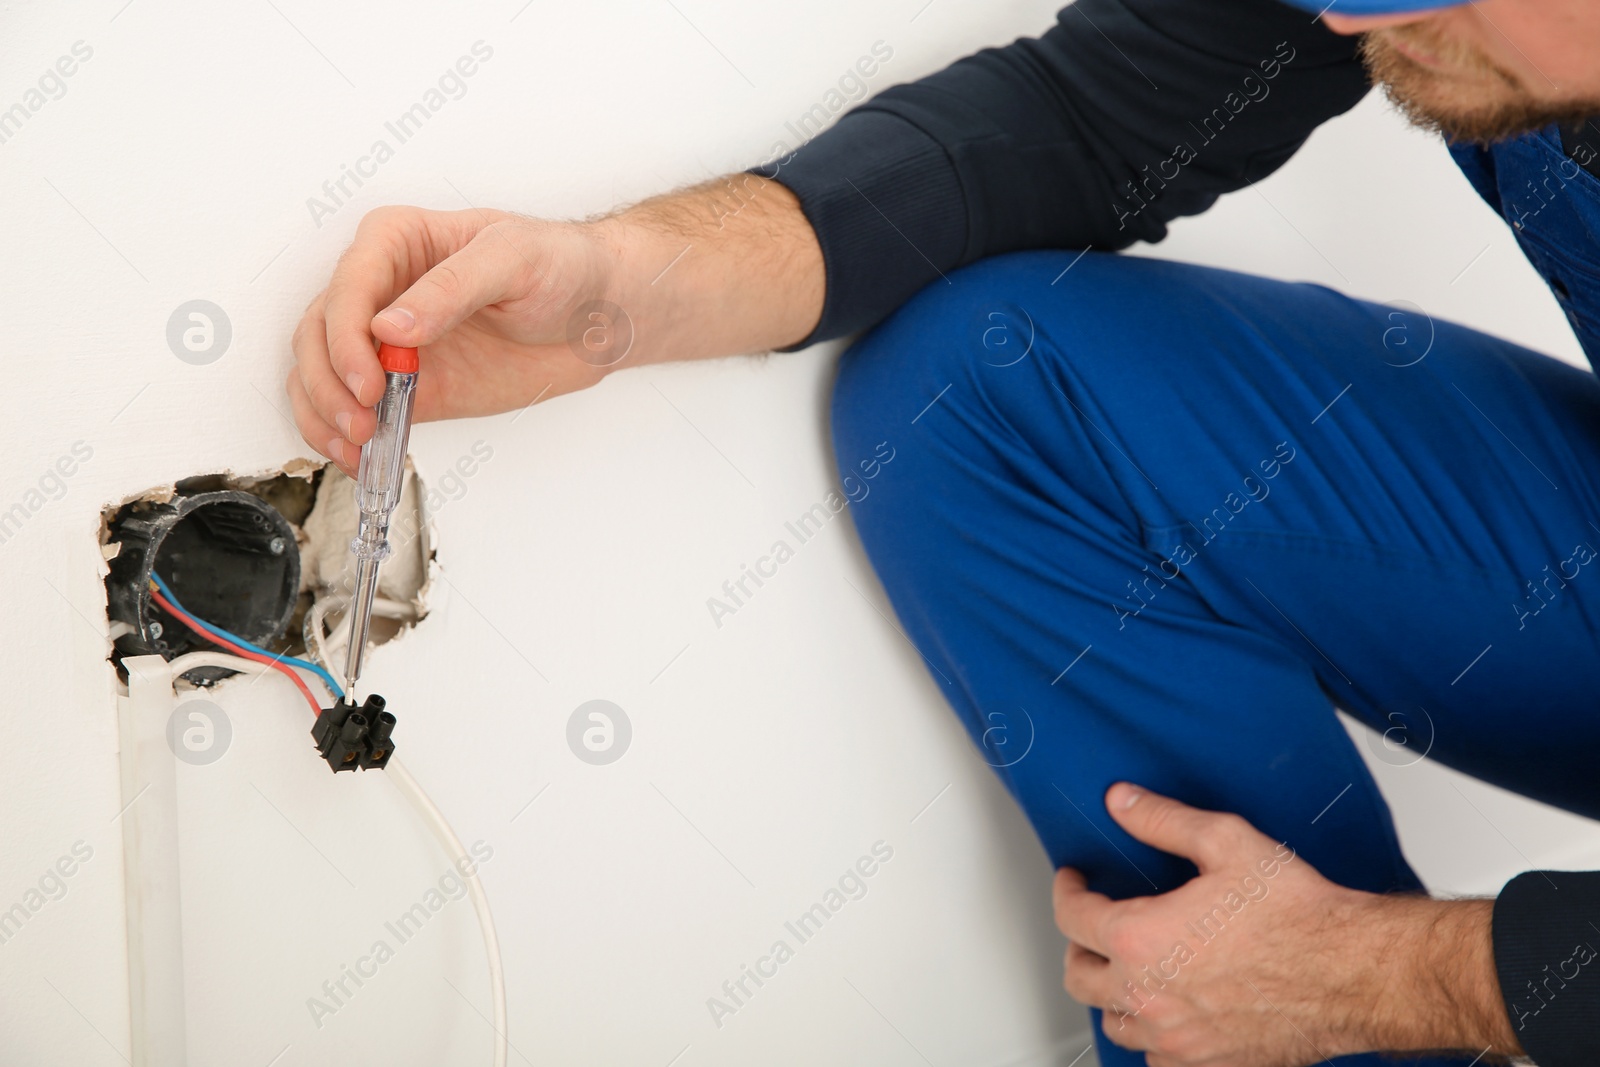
[[1089, 981], [348, 338], [1209, 838], [489, 269], [318, 434], [1081, 915], [392, 247], [1086, 976], [374, 267], [1123, 1030], [325, 395]]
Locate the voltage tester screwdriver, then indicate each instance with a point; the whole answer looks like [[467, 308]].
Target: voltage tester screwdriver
[[377, 493], [353, 736]]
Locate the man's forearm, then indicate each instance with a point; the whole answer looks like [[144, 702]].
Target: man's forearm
[[1437, 987], [724, 268]]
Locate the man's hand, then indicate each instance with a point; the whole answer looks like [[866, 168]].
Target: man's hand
[[488, 294], [1261, 962], [508, 310]]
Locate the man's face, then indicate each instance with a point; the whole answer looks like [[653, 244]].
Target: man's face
[[1489, 69]]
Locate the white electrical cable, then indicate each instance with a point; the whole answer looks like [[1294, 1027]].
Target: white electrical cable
[[325, 649], [313, 633], [480, 900], [192, 660], [437, 823]]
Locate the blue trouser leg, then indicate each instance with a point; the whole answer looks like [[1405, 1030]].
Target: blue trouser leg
[[1152, 522]]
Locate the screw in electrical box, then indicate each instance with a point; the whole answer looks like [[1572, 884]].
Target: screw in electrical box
[[350, 735]]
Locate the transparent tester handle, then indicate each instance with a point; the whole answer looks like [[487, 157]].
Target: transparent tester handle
[[383, 458]]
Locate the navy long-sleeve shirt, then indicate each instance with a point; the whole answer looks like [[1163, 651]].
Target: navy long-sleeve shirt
[[1123, 116]]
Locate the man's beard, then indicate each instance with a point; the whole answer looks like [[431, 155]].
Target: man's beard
[[1469, 97]]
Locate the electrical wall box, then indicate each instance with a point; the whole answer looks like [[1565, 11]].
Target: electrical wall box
[[230, 557]]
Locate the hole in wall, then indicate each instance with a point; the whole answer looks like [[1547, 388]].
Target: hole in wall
[[265, 556]]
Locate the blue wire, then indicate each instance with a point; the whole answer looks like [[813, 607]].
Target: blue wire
[[316, 669]]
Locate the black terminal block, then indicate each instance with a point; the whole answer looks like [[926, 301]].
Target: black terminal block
[[355, 735]]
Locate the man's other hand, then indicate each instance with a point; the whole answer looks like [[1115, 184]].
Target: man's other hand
[[1260, 961]]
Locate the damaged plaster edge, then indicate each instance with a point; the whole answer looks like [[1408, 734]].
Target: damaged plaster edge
[[430, 553], [299, 467]]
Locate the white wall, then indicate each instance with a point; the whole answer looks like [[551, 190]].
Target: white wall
[[768, 754]]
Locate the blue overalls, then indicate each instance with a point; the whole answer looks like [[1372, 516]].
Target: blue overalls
[[1152, 521]]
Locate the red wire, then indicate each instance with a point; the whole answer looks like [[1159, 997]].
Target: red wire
[[189, 621]]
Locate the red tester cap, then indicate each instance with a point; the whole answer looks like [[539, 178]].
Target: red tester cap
[[397, 360]]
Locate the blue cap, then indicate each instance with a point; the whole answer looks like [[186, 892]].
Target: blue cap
[[1373, 7]]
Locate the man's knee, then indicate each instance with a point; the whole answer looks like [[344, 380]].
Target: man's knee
[[898, 372], [984, 325], [988, 339]]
